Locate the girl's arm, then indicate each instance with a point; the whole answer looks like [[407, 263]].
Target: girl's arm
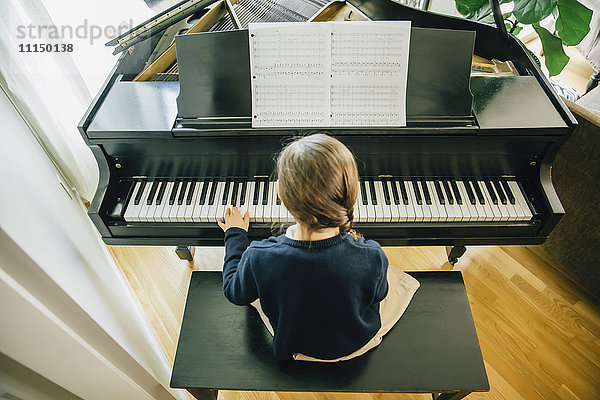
[[382, 288], [239, 285]]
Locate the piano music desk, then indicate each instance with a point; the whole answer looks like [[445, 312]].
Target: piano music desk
[[432, 349]]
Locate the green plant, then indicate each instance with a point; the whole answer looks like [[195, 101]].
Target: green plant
[[572, 23]]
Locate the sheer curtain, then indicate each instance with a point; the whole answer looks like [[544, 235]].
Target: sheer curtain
[[53, 89]]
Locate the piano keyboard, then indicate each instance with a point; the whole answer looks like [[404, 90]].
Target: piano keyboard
[[379, 200]]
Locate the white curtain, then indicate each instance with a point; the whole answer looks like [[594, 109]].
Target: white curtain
[[53, 89]]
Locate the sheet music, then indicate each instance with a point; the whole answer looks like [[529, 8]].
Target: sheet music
[[329, 74]]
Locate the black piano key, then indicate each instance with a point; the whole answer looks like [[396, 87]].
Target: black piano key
[[190, 195], [243, 193], [363, 192], [448, 193], [490, 190], [278, 200], [138, 195], [204, 191], [469, 192], [174, 193], [265, 198], [184, 186], [213, 191], [440, 193], [457, 195], [425, 192], [256, 193], [403, 191], [395, 192], [508, 192], [386, 192], [371, 185], [500, 192], [225, 198], [417, 192], [152, 193], [161, 192], [478, 192], [234, 193]]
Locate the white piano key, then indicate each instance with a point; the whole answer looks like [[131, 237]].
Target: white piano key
[[370, 207], [165, 208], [481, 212], [416, 208], [453, 209], [132, 209], [189, 209], [152, 214], [470, 210], [505, 216], [247, 198], [173, 208], [143, 204], [270, 211], [438, 212], [196, 206], [361, 213], [409, 214], [512, 211], [525, 214], [495, 216], [205, 209], [378, 203], [160, 208], [382, 209], [403, 213], [217, 209], [266, 208], [424, 206], [394, 210], [250, 207], [489, 213], [258, 208], [180, 216]]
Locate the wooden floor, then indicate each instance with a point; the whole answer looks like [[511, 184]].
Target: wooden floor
[[539, 336]]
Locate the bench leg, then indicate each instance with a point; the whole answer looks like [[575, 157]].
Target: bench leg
[[454, 253], [204, 394], [451, 395], [185, 252]]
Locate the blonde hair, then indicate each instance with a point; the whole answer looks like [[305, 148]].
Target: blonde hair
[[318, 182]]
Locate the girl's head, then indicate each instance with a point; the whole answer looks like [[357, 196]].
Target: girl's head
[[318, 182]]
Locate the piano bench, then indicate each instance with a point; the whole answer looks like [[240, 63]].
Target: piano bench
[[432, 349]]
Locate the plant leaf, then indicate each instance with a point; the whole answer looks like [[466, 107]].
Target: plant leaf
[[468, 8], [555, 56], [573, 21], [532, 11]]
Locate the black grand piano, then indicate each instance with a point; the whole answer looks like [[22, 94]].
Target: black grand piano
[[471, 167]]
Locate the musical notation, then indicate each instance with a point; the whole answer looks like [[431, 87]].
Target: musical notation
[[329, 74]]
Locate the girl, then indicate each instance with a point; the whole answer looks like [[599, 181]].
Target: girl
[[325, 293]]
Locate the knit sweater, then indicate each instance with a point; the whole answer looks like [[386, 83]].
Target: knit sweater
[[321, 297]]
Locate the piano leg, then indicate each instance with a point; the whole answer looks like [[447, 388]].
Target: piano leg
[[185, 252], [454, 252]]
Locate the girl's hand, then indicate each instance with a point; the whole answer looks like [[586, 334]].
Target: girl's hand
[[233, 219]]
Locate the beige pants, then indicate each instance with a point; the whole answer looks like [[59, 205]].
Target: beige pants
[[402, 287]]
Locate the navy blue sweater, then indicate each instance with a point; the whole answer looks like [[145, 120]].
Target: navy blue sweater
[[321, 297]]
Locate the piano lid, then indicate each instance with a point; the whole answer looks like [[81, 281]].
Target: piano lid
[[214, 76]]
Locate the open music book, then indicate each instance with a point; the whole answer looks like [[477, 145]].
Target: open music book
[[328, 74]]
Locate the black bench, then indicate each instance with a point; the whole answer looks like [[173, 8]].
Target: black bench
[[432, 349]]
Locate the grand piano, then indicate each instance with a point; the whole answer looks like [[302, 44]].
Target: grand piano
[[471, 167]]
